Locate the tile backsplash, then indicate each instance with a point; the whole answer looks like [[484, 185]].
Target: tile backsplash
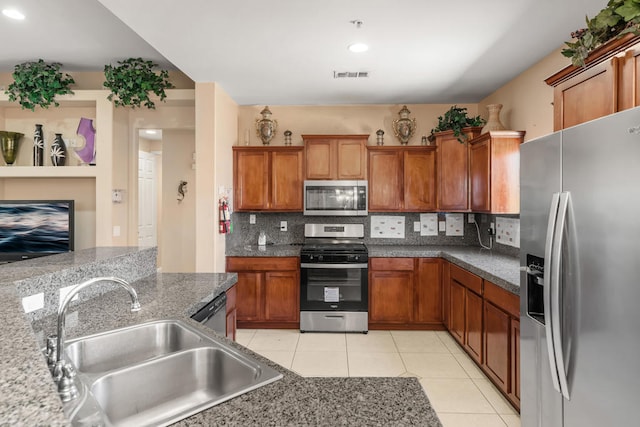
[[245, 233]]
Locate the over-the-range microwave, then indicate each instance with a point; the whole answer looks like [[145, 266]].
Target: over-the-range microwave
[[335, 198]]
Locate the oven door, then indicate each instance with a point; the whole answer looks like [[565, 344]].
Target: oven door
[[334, 287]]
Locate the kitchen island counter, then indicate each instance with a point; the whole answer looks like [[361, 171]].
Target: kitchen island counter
[[293, 400]]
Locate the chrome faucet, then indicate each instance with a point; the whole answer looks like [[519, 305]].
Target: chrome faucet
[[62, 371]]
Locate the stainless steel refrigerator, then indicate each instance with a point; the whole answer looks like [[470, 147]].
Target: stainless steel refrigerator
[[580, 279]]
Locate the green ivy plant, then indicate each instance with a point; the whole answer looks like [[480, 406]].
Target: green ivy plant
[[37, 83], [620, 17], [456, 119], [133, 80]]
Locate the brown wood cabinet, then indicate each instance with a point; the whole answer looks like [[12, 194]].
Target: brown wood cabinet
[[607, 84], [453, 170], [402, 179], [494, 171], [335, 156], [231, 312], [268, 291], [466, 310], [484, 319], [405, 293], [268, 178], [502, 340]]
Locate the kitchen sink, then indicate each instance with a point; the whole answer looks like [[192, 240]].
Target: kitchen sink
[[157, 373], [123, 347]]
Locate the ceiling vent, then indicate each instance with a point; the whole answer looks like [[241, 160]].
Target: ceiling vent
[[352, 74]]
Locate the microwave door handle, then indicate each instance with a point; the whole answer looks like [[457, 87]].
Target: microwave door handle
[[556, 292], [548, 285]]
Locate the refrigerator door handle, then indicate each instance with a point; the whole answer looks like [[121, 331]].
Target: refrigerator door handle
[[556, 292], [548, 285]]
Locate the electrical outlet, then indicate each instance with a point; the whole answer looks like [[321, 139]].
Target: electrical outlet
[[283, 225], [416, 226], [252, 219], [492, 229], [442, 226]]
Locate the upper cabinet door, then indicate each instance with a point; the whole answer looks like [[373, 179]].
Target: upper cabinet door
[[335, 156], [351, 159], [453, 171], [268, 178], [420, 179], [251, 177], [385, 179], [286, 180], [318, 158]]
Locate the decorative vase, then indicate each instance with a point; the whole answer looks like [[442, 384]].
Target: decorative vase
[[287, 137], [266, 127], [58, 151], [10, 142], [87, 153], [404, 127], [493, 123], [38, 146], [380, 137]]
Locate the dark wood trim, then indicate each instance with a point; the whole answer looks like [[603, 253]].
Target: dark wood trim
[[600, 54]]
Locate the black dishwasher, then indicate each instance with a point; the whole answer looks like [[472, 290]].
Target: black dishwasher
[[214, 314]]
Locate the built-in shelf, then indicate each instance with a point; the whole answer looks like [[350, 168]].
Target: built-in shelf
[[48, 171]]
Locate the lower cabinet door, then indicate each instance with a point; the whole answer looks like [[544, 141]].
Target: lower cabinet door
[[456, 314], [249, 296], [282, 296], [390, 296], [496, 336], [514, 392], [473, 337]]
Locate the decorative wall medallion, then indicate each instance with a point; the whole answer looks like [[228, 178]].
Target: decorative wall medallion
[[266, 127], [404, 127]]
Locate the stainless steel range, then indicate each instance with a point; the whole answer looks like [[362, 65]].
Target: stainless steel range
[[334, 279]]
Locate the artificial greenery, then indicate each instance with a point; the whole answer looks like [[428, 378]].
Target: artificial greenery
[[456, 119], [620, 17], [37, 84], [133, 80]]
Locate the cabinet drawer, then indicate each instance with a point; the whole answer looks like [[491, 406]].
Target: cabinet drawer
[[393, 264], [467, 279], [262, 263], [502, 298]]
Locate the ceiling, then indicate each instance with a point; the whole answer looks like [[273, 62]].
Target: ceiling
[[285, 52]]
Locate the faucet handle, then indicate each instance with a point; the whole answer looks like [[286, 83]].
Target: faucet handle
[[50, 352], [67, 388]]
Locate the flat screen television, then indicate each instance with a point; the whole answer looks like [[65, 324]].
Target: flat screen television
[[34, 228]]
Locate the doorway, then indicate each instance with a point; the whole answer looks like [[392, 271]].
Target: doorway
[[149, 185]]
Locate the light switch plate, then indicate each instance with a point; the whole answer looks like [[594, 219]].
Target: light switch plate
[[416, 226], [442, 226], [252, 219], [283, 225]]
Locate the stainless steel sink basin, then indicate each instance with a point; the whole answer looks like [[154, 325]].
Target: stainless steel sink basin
[[157, 373], [124, 347]]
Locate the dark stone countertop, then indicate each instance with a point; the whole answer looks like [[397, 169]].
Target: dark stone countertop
[[29, 398], [503, 270]]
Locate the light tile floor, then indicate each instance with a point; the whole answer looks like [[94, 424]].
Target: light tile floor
[[459, 392]]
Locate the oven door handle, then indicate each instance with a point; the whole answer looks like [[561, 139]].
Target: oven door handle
[[333, 266]]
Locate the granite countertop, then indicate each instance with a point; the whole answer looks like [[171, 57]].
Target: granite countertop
[[503, 270], [29, 397]]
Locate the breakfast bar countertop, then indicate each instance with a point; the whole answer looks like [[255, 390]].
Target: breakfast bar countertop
[[29, 398]]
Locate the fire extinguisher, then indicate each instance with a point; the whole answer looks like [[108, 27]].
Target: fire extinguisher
[[224, 216], [221, 222]]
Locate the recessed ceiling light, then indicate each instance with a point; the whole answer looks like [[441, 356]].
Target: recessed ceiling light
[[150, 131], [13, 14], [358, 47]]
